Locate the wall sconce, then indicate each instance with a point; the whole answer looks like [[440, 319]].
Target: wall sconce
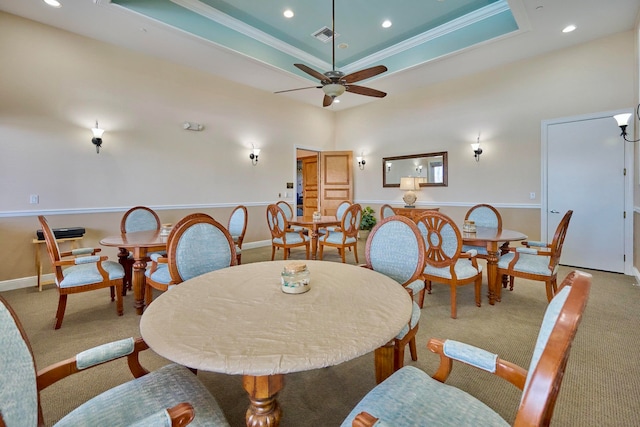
[[419, 169], [476, 149], [361, 161], [409, 184], [389, 166], [623, 121], [254, 155], [97, 137]]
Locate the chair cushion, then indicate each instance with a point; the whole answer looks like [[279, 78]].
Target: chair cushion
[[410, 397], [161, 275], [85, 274], [416, 286], [292, 238], [415, 317], [137, 399], [336, 237], [527, 263], [463, 268]]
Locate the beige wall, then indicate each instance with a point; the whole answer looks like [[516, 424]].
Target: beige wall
[[56, 84]]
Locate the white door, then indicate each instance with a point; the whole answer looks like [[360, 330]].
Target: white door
[[586, 173]]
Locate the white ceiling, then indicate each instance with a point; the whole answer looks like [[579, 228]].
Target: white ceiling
[[146, 30]]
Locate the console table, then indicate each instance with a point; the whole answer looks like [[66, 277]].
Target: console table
[[413, 213]]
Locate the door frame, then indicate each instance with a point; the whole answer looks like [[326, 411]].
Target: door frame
[[297, 147], [628, 179]]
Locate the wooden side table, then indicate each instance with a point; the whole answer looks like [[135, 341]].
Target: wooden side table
[[74, 245], [413, 213]]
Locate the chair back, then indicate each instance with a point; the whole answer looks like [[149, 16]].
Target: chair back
[[549, 360], [139, 218], [396, 249], [277, 221], [198, 244], [351, 221], [442, 239], [342, 208], [485, 216], [558, 239], [19, 397], [237, 225], [386, 211], [286, 208], [52, 247]]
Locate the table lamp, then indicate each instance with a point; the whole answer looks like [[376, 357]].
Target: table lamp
[[409, 184]]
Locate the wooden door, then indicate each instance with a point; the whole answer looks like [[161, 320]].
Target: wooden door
[[309, 185], [336, 180]]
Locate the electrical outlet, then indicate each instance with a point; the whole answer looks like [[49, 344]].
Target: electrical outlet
[[532, 195], [34, 199]]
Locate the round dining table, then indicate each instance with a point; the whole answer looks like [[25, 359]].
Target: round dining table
[[238, 321]]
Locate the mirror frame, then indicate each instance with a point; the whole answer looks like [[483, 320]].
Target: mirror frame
[[445, 180]]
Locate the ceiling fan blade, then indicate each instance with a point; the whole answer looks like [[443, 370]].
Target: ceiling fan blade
[[300, 88], [312, 72], [361, 90], [327, 101], [364, 74]]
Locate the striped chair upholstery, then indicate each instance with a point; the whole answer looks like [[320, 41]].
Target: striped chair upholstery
[[396, 249], [237, 226], [410, 397], [535, 261], [81, 270], [484, 216], [196, 245], [149, 400], [445, 261]]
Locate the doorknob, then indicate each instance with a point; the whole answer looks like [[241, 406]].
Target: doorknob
[[554, 211]]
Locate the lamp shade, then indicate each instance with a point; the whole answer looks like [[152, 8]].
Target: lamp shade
[[622, 119], [97, 132], [333, 89], [409, 183]]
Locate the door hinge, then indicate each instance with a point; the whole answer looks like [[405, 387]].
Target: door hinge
[[624, 171], [624, 214]]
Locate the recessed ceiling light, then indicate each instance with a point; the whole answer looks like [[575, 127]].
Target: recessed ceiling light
[[288, 13], [568, 28], [53, 3], [386, 23], [336, 101], [343, 46]]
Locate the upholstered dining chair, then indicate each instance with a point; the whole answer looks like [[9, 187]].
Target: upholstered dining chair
[[81, 270], [386, 211], [237, 226], [340, 210], [197, 244], [410, 397], [535, 261], [288, 213], [483, 215], [445, 261], [171, 395], [346, 235], [282, 235], [396, 249], [138, 218]]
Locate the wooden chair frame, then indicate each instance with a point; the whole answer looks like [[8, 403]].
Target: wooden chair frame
[[273, 211], [348, 229], [385, 207], [434, 222], [552, 250], [398, 346], [539, 398], [58, 261], [240, 238], [126, 261]]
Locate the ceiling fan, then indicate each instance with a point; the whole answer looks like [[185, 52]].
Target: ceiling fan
[[334, 83]]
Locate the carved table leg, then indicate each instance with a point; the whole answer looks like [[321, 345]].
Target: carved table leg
[[123, 256], [383, 359], [314, 241], [264, 410], [492, 271], [138, 279]]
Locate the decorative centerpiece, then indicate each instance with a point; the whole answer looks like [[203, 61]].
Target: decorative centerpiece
[[317, 216], [295, 278], [166, 229], [469, 226]]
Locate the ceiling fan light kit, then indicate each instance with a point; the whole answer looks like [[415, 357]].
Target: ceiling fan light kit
[[334, 83]]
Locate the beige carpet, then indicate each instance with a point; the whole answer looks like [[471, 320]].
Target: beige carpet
[[601, 386]]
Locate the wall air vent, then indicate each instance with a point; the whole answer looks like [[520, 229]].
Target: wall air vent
[[324, 34]]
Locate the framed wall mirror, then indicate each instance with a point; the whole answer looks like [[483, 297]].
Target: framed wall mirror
[[430, 168]]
